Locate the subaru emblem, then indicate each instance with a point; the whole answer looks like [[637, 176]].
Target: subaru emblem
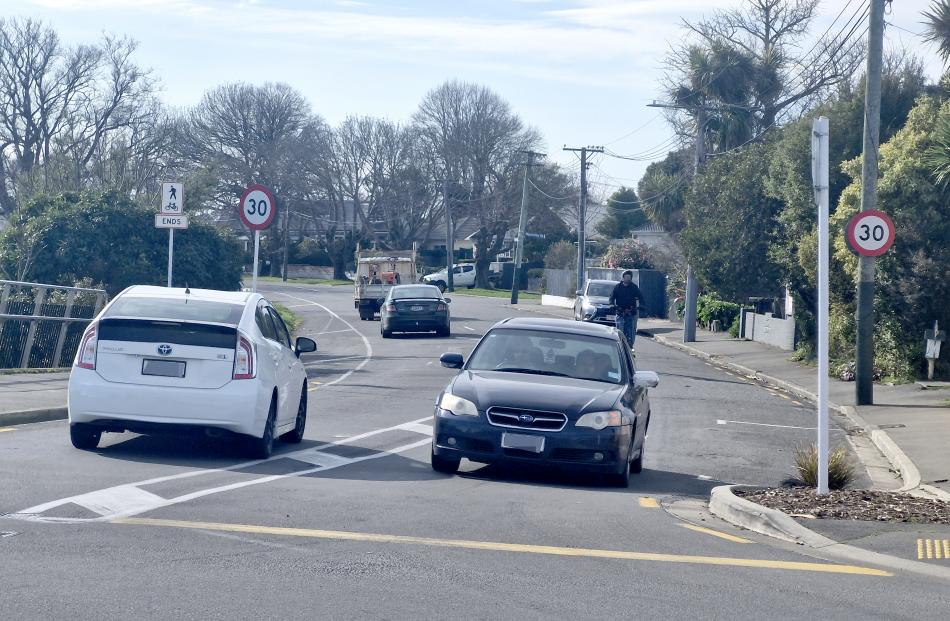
[[164, 349], [526, 418]]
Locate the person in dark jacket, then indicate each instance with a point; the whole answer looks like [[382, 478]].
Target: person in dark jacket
[[625, 297]]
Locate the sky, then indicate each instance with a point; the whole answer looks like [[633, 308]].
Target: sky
[[580, 71]]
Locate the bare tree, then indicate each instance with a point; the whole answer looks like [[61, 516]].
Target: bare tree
[[59, 105], [477, 140]]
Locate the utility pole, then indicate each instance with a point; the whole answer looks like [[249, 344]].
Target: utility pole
[[864, 345], [449, 237], [519, 252], [286, 241], [692, 288], [819, 160], [582, 212]]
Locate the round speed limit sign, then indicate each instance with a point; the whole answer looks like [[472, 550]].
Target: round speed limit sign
[[257, 207], [871, 233]]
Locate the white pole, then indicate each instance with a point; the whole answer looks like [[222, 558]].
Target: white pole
[[171, 253], [257, 248], [820, 176]]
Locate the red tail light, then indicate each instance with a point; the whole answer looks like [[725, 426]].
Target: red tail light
[[391, 308], [441, 308], [86, 356], [244, 359]]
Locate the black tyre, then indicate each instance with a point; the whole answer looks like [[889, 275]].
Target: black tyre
[[620, 480], [295, 436], [636, 466], [384, 332], [444, 465], [261, 448], [445, 331], [84, 437]]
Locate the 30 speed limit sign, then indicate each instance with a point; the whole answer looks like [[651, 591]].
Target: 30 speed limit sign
[[257, 207], [871, 233]]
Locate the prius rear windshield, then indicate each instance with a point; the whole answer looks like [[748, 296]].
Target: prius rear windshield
[[177, 309]]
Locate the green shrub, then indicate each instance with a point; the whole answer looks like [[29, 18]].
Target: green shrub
[[734, 328], [840, 468], [710, 308]]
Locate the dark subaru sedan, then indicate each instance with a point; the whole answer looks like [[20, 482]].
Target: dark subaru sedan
[[415, 308], [545, 391]]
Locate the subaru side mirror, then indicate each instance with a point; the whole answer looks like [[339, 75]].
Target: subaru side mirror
[[647, 379], [452, 361]]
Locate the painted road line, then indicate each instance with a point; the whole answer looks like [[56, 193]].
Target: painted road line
[[739, 422], [933, 549], [425, 430], [5, 429], [366, 343], [649, 503], [506, 547], [715, 533], [799, 403], [125, 500], [334, 331], [467, 328]]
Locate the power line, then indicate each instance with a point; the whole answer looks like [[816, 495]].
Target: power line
[[854, 22], [554, 198], [635, 130], [916, 34]]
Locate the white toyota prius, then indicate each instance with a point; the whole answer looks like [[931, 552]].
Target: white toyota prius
[[189, 360]]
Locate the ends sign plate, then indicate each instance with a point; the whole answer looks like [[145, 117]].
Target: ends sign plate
[[257, 207], [163, 221]]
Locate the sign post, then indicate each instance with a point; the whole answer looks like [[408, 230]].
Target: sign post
[[933, 340], [257, 209], [819, 154], [171, 217]]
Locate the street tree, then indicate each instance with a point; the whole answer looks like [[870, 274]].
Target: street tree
[[478, 141], [624, 214]]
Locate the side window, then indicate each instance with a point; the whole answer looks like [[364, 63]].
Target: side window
[[265, 323], [468, 268], [283, 335], [457, 270], [631, 366]]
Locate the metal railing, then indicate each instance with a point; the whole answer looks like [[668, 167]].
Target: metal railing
[[41, 325]]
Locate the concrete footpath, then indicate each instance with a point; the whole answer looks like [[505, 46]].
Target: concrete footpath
[[32, 397]]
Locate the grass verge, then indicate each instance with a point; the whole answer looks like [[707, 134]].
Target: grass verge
[[297, 281], [292, 319], [496, 293]]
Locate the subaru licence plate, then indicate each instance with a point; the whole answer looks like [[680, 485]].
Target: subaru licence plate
[[415, 308], [522, 442]]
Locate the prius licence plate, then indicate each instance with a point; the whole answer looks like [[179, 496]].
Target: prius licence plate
[[522, 442]]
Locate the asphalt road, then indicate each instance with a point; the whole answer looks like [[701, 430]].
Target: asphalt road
[[353, 523]]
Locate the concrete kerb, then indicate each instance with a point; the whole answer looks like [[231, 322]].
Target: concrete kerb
[[746, 514], [38, 415]]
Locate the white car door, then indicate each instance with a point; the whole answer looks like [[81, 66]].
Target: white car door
[[290, 370], [270, 357]]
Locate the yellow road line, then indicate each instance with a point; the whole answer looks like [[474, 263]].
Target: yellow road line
[[946, 548], [716, 533], [920, 549], [929, 545], [508, 547], [649, 503], [7, 429], [938, 552]]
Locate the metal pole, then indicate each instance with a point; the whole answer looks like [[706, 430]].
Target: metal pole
[[864, 345], [519, 252], [257, 249], [581, 225], [449, 238], [820, 175], [692, 288], [171, 254], [286, 240]]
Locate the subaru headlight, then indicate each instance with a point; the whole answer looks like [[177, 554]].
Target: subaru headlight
[[600, 420], [457, 405]]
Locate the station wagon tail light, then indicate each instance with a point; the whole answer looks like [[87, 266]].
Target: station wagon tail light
[[600, 420], [86, 356], [441, 308], [391, 307], [244, 359]]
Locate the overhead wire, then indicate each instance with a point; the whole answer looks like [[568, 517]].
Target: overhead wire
[[813, 67], [555, 198]]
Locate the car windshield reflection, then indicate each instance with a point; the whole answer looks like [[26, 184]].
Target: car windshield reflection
[[554, 354]]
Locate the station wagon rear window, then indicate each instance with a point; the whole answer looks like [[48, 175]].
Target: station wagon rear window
[[177, 309]]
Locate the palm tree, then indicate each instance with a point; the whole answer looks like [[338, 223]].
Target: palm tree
[[938, 156], [938, 27]]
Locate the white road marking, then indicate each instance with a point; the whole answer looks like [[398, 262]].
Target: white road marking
[[129, 499], [334, 331], [739, 422], [704, 477], [366, 344], [467, 328]]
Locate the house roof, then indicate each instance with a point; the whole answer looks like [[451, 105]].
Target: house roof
[[648, 228]]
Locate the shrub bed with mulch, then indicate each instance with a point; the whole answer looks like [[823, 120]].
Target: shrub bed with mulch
[[851, 505]]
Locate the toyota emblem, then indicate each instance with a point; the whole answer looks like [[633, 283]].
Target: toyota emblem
[[164, 349], [526, 418]]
